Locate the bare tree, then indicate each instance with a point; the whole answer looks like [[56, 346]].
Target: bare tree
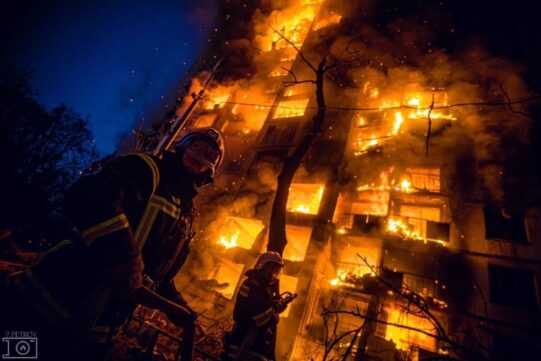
[[277, 231], [462, 345]]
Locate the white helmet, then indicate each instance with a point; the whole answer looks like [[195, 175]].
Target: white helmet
[[268, 257]]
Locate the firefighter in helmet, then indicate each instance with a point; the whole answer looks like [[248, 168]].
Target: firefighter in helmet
[[133, 220], [256, 311]]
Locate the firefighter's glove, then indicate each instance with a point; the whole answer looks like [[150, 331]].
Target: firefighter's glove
[[279, 306]]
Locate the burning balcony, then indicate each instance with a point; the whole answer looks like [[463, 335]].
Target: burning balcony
[[404, 338], [305, 198], [350, 267], [239, 232]]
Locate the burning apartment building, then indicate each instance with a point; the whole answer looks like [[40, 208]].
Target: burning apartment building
[[408, 234]]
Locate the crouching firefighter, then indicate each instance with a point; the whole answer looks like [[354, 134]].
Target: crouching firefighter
[[256, 312], [133, 220]]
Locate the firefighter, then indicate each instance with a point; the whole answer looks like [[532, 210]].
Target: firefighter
[[133, 219], [256, 312]]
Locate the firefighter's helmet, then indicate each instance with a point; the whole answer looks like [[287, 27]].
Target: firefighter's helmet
[[268, 257], [210, 136]]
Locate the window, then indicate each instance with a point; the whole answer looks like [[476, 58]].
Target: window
[[503, 225], [513, 287], [239, 232], [420, 217], [437, 230], [291, 108], [305, 197], [367, 224]]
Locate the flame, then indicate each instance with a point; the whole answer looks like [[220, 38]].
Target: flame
[[305, 198], [329, 20], [405, 186], [290, 108], [417, 101], [350, 276], [217, 97], [405, 230], [398, 122], [293, 23], [402, 337], [229, 242], [401, 228]]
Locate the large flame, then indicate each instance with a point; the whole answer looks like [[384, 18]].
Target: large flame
[[403, 337], [239, 232], [305, 198], [292, 23]]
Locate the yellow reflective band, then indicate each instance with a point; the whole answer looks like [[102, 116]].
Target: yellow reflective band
[[263, 317], [109, 226], [145, 224], [154, 169], [155, 204], [164, 205]]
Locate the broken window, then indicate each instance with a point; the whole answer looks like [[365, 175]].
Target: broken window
[[501, 224], [290, 108], [239, 232], [305, 197], [512, 286], [298, 240]]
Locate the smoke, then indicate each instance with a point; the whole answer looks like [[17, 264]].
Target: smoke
[[388, 54]]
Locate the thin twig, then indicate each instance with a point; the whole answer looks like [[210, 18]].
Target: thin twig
[[429, 129], [306, 61]]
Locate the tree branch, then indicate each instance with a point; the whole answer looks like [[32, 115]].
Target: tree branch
[[306, 61], [429, 129]]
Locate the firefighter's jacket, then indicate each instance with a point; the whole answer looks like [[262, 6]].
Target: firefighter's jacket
[[134, 214], [255, 320]]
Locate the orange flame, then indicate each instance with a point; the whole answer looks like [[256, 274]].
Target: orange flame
[[229, 242], [305, 198]]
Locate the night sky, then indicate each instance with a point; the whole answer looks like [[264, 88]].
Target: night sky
[[114, 60], [109, 60]]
